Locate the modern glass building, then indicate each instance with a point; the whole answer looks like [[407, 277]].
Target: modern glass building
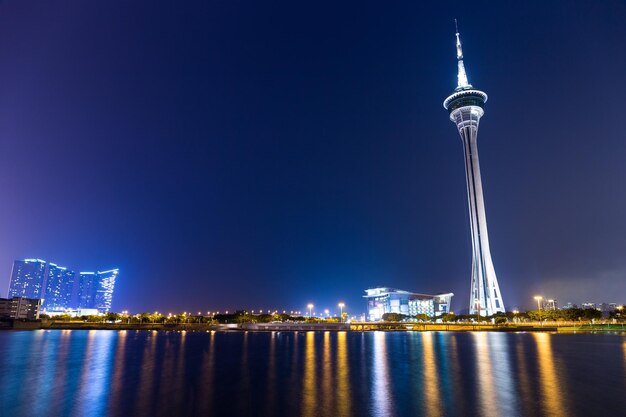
[[56, 285], [27, 279], [104, 291], [95, 290], [86, 289], [59, 288], [382, 300]]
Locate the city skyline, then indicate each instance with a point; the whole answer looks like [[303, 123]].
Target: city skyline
[[224, 156]]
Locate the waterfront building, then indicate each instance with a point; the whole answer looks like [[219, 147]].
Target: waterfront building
[[465, 107], [20, 308], [74, 312], [104, 292], [95, 290], [86, 295], [59, 288], [27, 279], [56, 285], [382, 300]]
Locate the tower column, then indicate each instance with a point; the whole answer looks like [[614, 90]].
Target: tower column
[[465, 106]]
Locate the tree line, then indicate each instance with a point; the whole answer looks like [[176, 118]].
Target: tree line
[[239, 316], [570, 314]]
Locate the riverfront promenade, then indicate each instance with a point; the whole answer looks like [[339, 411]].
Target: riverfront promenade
[[561, 327]]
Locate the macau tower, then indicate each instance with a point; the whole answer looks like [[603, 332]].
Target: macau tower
[[466, 106]]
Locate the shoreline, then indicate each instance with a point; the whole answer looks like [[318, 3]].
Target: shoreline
[[335, 327]]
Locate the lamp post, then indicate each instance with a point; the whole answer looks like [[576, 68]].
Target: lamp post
[[341, 306], [310, 307], [327, 312]]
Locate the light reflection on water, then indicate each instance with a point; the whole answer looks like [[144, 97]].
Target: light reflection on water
[[147, 378], [270, 388], [431, 382], [117, 381], [106, 373], [523, 378], [327, 380], [343, 397], [381, 386], [551, 393], [488, 405], [309, 394]]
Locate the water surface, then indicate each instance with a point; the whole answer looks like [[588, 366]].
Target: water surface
[[140, 373]]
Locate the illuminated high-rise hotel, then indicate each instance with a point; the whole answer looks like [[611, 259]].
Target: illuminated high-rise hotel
[[95, 290], [465, 107], [55, 286], [59, 288], [28, 279]]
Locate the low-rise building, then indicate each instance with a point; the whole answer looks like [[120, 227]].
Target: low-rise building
[[382, 300], [20, 308], [75, 312]]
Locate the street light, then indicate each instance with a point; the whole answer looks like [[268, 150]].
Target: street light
[[327, 312], [341, 306], [310, 307], [538, 298]]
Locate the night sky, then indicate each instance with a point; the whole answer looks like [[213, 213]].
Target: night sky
[[269, 154]]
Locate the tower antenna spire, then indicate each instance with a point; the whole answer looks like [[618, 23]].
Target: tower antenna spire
[[463, 82]]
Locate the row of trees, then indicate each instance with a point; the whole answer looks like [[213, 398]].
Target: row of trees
[[239, 316], [394, 317], [570, 314], [136, 319], [242, 316]]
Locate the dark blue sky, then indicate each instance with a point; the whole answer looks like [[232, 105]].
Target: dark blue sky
[[246, 154]]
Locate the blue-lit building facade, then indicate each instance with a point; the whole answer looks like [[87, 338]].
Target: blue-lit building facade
[[86, 289], [95, 290], [382, 300], [28, 279], [60, 289]]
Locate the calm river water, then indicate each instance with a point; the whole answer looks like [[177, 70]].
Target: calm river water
[[139, 373]]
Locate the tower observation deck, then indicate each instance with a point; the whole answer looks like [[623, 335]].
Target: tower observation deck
[[465, 107]]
